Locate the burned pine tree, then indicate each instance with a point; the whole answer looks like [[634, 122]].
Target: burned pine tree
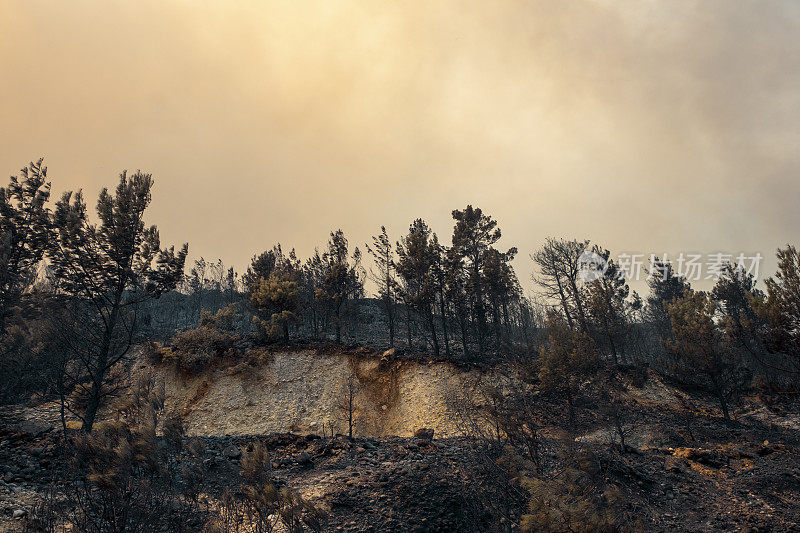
[[109, 270]]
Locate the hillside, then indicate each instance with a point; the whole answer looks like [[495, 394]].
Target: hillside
[[302, 392], [685, 468]]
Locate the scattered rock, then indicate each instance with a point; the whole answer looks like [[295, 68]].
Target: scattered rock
[[765, 449], [232, 452], [424, 434], [303, 459]]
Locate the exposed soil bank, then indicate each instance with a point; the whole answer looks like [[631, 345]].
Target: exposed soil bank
[[305, 392]]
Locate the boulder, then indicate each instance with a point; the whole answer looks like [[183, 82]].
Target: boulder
[[303, 458], [424, 434], [232, 452]]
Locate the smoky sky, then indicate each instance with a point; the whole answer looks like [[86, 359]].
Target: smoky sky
[[645, 126]]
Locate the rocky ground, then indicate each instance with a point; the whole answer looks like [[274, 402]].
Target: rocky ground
[[685, 468], [743, 482]]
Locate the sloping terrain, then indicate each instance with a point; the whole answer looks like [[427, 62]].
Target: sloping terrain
[[305, 392], [686, 468], [405, 484]]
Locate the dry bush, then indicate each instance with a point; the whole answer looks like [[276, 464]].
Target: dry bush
[[123, 478], [297, 514], [124, 473], [258, 506], [576, 499], [47, 513], [507, 412], [230, 517], [194, 350], [502, 422], [254, 463]]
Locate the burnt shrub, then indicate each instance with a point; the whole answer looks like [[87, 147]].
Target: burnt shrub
[[122, 477], [195, 350]]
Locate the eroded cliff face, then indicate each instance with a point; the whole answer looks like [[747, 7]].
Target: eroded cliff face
[[305, 392]]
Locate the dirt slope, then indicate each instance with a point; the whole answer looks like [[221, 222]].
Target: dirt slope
[[304, 392]]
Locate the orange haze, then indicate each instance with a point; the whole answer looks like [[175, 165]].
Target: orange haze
[[646, 126]]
